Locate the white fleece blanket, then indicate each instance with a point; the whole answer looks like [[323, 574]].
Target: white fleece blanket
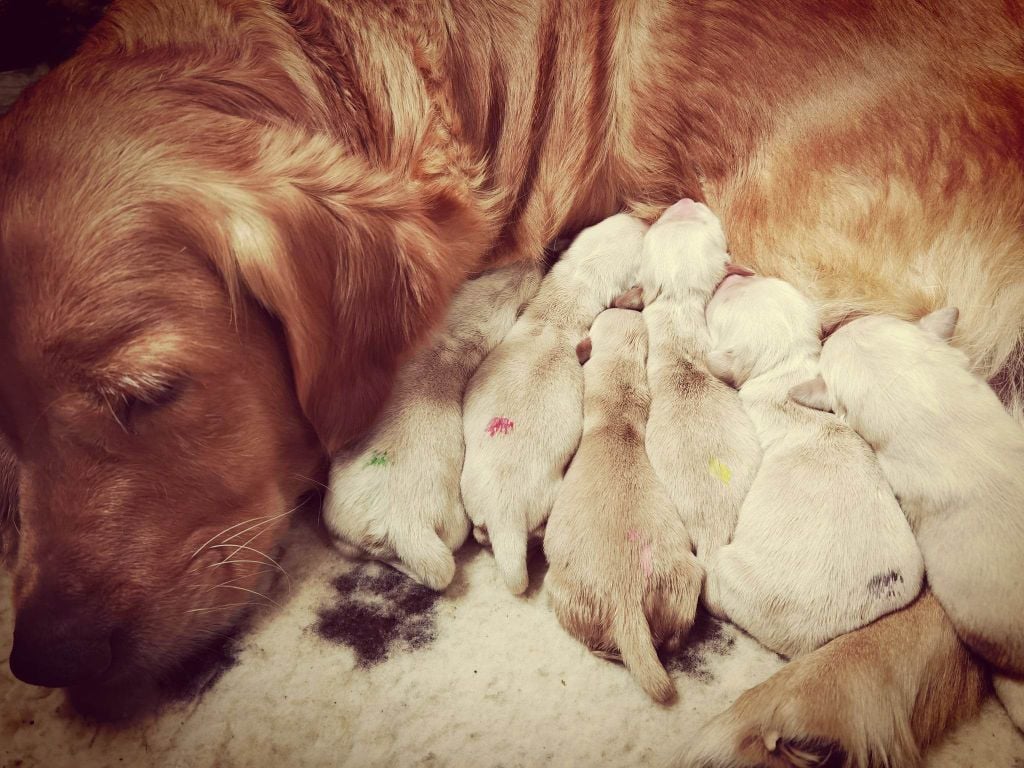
[[361, 667]]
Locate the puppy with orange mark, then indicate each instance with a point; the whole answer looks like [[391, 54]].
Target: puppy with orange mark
[[395, 495], [700, 441], [622, 577]]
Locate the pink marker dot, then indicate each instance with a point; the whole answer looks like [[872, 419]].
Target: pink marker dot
[[633, 534], [500, 425], [647, 560]]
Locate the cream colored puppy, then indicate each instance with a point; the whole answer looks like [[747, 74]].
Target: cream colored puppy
[[955, 459], [700, 440], [622, 579], [524, 406], [821, 546], [395, 497]]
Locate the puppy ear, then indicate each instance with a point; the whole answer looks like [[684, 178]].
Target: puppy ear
[[812, 394], [941, 323], [738, 269], [720, 363], [356, 263], [631, 299], [583, 350]]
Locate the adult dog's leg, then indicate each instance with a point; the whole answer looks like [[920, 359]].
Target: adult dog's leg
[[8, 503], [877, 696]]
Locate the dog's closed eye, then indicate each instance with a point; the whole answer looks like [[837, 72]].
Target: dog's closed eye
[[129, 408]]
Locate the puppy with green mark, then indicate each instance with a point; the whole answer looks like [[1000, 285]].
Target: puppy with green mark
[[821, 546], [955, 458], [395, 496]]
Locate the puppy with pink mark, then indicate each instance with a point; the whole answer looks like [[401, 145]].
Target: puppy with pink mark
[[524, 406], [821, 546], [955, 459], [700, 440], [622, 578], [395, 496]]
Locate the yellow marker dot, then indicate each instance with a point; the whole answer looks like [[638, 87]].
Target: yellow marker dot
[[719, 470]]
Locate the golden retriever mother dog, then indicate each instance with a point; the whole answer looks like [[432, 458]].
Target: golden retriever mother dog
[[224, 223]]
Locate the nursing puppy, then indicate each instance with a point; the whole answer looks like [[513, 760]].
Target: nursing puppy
[[953, 456], [395, 496], [821, 546], [700, 441], [524, 406], [622, 579]]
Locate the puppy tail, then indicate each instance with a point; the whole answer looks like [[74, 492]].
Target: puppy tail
[[426, 556], [508, 542], [633, 637]]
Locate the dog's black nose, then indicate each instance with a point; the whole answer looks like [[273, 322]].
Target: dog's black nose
[[58, 642]]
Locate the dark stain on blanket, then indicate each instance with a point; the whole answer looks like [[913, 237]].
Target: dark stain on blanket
[[708, 637], [377, 611], [884, 585]]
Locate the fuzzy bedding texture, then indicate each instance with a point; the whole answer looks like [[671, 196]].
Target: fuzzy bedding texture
[[356, 665]]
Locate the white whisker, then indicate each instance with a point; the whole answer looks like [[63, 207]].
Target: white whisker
[[239, 578], [221, 533], [250, 591], [217, 607]]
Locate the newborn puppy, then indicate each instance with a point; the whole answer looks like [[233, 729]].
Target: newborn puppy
[[821, 546], [955, 459], [524, 406], [700, 440], [395, 496], [622, 579]]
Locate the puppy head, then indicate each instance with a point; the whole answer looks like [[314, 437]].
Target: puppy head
[[684, 251], [615, 333], [756, 324], [875, 369], [195, 310], [604, 258]]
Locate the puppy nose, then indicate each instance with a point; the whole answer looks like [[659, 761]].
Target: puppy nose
[[58, 642], [684, 209]]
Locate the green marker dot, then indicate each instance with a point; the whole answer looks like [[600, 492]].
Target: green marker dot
[[378, 459], [719, 470]]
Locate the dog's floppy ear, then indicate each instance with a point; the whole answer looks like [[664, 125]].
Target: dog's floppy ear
[[583, 350], [812, 394], [356, 263], [941, 323], [631, 299]]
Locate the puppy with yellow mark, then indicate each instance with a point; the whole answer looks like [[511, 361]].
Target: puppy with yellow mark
[[821, 546], [395, 496], [524, 406], [622, 578], [700, 441], [955, 458]]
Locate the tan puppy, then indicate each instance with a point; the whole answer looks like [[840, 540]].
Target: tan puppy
[[955, 458], [622, 578], [524, 406], [395, 496], [821, 546], [700, 441]]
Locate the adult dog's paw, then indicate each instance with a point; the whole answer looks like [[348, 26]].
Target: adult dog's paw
[[731, 741]]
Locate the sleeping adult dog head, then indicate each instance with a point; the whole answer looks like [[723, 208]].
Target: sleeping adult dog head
[[196, 307]]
